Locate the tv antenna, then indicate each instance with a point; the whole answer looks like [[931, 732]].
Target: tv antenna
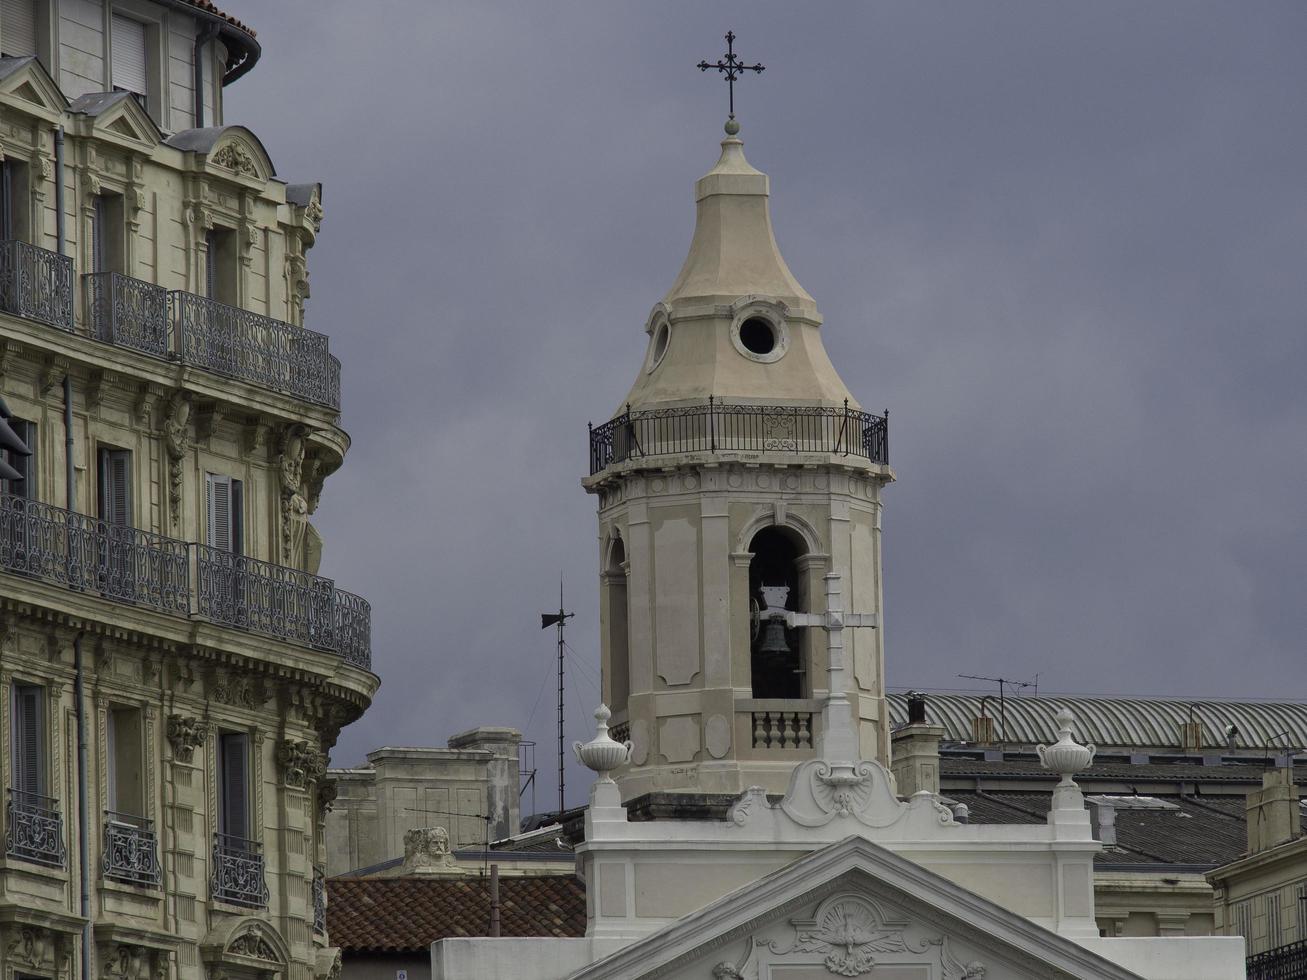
[[1003, 683], [557, 620]]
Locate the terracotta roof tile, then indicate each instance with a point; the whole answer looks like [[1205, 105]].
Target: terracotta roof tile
[[396, 914], [211, 8]]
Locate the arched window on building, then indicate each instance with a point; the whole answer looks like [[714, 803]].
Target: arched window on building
[[777, 655], [619, 650]]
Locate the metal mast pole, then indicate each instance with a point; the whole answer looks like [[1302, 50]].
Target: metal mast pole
[[558, 619]]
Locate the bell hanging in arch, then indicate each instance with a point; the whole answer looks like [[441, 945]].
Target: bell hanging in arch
[[773, 638]]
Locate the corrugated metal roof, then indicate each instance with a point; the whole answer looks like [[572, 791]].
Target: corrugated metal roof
[[1116, 722]]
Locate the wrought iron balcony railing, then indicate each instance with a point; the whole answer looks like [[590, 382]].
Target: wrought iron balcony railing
[[34, 829], [319, 901], [252, 347], [237, 876], [127, 312], [1287, 962], [131, 849], [91, 555], [720, 427], [36, 284], [138, 567]]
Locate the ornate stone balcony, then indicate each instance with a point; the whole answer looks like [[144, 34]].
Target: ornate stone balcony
[[237, 876], [715, 427], [180, 578], [36, 284], [34, 829], [131, 850]]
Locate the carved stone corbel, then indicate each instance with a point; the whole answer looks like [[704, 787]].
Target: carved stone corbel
[[186, 735], [52, 372], [300, 763], [95, 388], [208, 416]]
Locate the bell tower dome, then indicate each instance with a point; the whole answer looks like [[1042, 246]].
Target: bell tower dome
[[738, 474]]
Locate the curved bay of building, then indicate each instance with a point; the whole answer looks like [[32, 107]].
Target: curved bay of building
[[174, 668]]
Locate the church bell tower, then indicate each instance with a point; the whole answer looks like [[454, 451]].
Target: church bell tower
[[738, 478]]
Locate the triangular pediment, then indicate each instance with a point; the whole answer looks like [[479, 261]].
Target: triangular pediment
[[25, 86], [854, 909], [117, 117]]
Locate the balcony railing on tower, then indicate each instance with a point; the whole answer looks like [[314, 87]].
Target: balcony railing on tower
[[34, 829], [237, 876], [1287, 962], [36, 284], [145, 569], [131, 849], [127, 312], [720, 427], [252, 347]]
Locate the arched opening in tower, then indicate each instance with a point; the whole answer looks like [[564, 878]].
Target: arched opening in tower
[[619, 652], [777, 656]]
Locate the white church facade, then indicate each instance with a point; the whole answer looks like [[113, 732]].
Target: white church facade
[[739, 491]]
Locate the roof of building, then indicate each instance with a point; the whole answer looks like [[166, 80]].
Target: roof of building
[[240, 38], [1124, 722], [410, 913]]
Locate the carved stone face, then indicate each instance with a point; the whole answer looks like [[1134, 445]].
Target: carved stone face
[[426, 847]]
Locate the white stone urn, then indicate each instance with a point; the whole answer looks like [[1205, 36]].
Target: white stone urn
[[601, 753], [1066, 756]]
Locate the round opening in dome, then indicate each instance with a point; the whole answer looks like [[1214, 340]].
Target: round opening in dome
[[758, 335], [660, 342]]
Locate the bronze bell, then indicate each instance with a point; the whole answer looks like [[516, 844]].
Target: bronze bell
[[773, 640]]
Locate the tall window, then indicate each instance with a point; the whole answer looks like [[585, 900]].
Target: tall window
[[223, 497], [29, 740], [220, 266], [115, 482], [619, 652], [107, 234], [17, 28], [126, 748], [13, 192], [128, 57], [234, 785], [26, 465]]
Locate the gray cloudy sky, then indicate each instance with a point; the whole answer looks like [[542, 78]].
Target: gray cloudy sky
[[1063, 243]]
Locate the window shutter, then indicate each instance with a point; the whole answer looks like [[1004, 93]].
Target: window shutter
[[28, 746], [116, 486], [17, 27], [211, 265], [26, 487], [218, 497], [97, 235], [237, 518], [6, 196], [234, 812], [128, 57]]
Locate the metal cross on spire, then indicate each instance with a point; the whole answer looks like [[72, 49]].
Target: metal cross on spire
[[731, 68]]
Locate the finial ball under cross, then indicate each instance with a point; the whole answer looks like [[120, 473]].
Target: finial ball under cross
[[731, 67]]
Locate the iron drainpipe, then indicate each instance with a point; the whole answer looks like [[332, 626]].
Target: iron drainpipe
[[201, 39], [83, 810]]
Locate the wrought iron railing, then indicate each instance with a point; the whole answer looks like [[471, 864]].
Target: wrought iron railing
[[137, 567], [131, 849], [237, 876], [1287, 962], [34, 829], [352, 621], [720, 427], [265, 598], [252, 347], [127, 312], [319, 901], [87, 554], [36, 284]]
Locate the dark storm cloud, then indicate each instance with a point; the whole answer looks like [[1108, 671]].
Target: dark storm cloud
[[1064, 244]]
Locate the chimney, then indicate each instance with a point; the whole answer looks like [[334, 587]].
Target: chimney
[[914, 750], [982, 730], [1191, 736], [1274, 816]]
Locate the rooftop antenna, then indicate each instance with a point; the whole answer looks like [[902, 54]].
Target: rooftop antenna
[[1003, 683], [557, 620]]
